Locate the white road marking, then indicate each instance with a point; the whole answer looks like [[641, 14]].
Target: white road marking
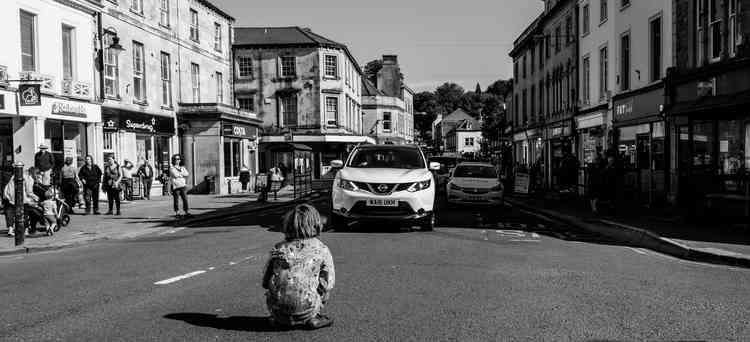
[[172, 231], [523, 240], [178, 278], [638, 250], [232, 263], [512, 233], [211, 268]]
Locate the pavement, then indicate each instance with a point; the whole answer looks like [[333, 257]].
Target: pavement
[[484, 274], [140, 218], [661, 230]]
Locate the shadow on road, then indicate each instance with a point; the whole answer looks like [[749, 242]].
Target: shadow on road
[[238, 323]]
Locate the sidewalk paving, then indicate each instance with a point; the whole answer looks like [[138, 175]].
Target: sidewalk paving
[[139, 218], [655, 228]]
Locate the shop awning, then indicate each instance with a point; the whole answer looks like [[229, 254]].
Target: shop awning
[[711, 103], [289, 147]]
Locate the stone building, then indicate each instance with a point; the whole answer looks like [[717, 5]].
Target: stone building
[[305, 88], [388, 105], [708, 96], [465, 139], [48, 44]]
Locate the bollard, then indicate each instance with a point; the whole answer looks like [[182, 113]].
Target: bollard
[[19, 195]]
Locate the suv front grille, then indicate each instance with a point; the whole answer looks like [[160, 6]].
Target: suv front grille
[[382, 188]]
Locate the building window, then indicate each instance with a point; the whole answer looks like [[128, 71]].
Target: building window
[[111, 68], [288, 66], [515, 71], [603, 9], [532, 59], [625, 62], [569, 38], [332, 66], [68, 59], [533, 100], [139, 69], [219, 87], [232, 157], [386, 122], [603, 72], [547, 42], [586, 22], [655, 49], [245, 66], [516, 105], [136, 6], [734, 29], [194, 25], [558, 32], [217, 37], [541, 56], [524, 107], [714, 29], [525, 61], [289, 110], [700, 19], [195, 81], [332, 111], [28, 41], [166, 80], [468, 141], [541, 98], [586, 80], [164, 11], [246, 103]]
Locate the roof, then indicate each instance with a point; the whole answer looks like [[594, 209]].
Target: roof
[[216, 9], [457, 115], [286, 36], [369, 89], [468, 125]]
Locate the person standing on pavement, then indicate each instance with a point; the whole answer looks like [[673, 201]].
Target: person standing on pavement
[[112, 185], [244, 177], [595, 181], [90, 176], [44, 162], [146, 172], [177, 177], [9, 196], [127, 179], [69, 183], [610, 177]]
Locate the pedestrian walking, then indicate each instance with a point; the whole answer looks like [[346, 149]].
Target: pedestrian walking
[[128, 170], [299, 274], [146, 173], [9, 197], [595, 182], [70, 187], [112, 185], [177, 174], [244, 177], [44, 162], [90, 176], [610, 177], [569, 172]]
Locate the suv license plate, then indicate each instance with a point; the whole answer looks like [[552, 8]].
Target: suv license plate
[[382, 203]]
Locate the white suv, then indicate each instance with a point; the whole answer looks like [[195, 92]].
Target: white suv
[[384, 182]]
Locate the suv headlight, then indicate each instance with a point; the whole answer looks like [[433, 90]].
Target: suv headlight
[[419, 186], [347, 185]]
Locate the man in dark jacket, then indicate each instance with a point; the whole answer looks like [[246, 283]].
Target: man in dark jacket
[[146, 172], [91, 176], [44, 162]]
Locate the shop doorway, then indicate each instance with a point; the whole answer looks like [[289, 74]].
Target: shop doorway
[[65, 139], [6, 151]]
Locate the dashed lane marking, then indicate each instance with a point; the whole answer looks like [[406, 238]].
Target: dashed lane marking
[[172, 231], [178, 278]]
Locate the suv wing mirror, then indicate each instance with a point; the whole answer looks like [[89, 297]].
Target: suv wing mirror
[[434, 166], [337, 164]]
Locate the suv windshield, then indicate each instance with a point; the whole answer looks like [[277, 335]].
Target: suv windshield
[[387, 157], [475, 171]]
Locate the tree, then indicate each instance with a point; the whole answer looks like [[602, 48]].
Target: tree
[[425, 102], [478, 89], [500, 87], [448, 97]]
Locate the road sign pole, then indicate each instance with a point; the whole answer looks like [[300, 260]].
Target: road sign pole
[[19, 194]]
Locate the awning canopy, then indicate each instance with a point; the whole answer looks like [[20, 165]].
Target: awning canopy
[[289, 147]]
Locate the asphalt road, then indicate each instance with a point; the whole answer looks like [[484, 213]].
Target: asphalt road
[[483, 275]]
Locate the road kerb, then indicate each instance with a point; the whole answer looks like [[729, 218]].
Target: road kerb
[[640, 237]]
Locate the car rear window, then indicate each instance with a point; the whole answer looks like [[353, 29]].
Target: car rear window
[[475, 171], [387, 157]]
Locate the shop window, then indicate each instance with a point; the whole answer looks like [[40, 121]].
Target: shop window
[[143, 147], [162, 148], [232, 157], [703, 144], [731, 147], [110, 144], [65, 139]]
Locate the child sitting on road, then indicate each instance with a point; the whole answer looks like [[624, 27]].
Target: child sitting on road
[[50, 211], [299, 275]]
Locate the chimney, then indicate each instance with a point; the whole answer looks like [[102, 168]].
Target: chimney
[[389, 77]]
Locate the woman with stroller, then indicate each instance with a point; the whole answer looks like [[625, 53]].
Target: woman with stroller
[[29, 198], [112, 179], [69, 183]]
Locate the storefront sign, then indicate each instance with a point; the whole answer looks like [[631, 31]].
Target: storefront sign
[[521, 185], [589, 121], [639, 106], [624, 109], [30, 95], [68, 109], [239, 131], [138, 123]]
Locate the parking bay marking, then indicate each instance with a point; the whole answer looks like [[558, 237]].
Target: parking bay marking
[[178, 278]]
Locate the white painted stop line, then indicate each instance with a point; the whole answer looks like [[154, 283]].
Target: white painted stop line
[[178, 278]]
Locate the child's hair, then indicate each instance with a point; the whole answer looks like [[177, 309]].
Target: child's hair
[[49, 194], [302, 222]]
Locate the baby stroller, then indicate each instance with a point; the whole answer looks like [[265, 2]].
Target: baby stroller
[[35, 214]]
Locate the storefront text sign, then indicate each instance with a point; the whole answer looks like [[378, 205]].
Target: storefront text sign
[[30, 95], [138, 123], [147, 126], [624, 109], [239, 131], [68, 109]]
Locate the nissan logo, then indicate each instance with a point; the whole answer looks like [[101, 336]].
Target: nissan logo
[[383, 188]]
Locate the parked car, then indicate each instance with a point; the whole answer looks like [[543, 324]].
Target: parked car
[[475, 183], [384, 182]]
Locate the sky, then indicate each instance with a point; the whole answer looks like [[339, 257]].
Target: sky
[[436, 41]]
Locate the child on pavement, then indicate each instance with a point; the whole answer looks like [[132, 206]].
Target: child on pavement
[[299, 275], [50, 211]]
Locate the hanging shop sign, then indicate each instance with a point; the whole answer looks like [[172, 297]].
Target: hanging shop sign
[[30, 95], [138, 123], [239, 131]]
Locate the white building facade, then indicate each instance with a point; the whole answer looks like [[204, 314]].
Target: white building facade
[[49, 43]]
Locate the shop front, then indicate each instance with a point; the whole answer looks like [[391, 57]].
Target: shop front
[[529, 152], [592, 137], [8, 120], [138, 138], [559, 144], [641, 144], [239, 150]]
